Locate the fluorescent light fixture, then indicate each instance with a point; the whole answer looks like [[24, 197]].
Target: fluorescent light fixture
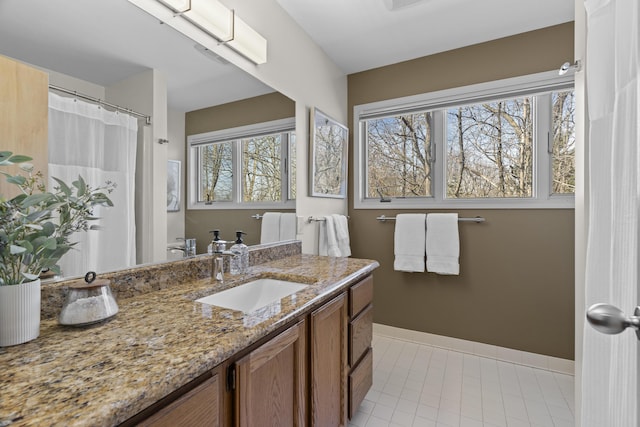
[[218, 21], [178, 6], [248, 42], [210, 16]]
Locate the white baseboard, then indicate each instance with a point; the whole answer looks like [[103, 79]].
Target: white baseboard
[[525, 358]]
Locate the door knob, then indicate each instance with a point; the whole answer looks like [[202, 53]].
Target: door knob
[[608, 319]]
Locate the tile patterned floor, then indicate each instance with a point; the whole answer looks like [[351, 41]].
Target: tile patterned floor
[[420, 385]]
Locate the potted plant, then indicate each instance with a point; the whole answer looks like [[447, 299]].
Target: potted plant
[[35, 228]]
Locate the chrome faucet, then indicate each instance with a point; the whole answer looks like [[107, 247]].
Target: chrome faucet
[[190, 247], [217, 261], [188, 250]]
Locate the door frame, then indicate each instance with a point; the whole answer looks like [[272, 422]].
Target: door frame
[[581, 199]]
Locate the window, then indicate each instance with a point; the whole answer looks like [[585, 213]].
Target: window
[[261, 168], [249, 166], [399, 155], [490, 149], [501, 144], [215, 172], [564, 142]]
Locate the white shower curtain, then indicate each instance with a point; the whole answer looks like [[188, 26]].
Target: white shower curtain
[[609, 371], [100, 146]]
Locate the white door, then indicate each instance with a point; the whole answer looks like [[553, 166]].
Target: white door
[[610, 374]]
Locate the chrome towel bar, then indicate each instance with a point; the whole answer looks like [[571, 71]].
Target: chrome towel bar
[[384, 218]]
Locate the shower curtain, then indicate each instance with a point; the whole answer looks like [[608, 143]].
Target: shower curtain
[[99, 145], [609, 371]]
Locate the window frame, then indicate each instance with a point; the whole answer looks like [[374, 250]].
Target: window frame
[[539, 85], [236, 135]]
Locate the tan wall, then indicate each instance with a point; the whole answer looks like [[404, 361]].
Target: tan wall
[[199, 223], [516, 286], [260, 109]]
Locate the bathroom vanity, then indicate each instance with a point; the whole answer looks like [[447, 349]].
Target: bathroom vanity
[[303, 360]]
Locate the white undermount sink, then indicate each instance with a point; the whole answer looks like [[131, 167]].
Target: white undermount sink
[[252, 296]]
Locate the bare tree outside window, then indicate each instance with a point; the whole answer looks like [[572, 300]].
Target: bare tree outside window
[[469, 149], [261, 170], [216, 172], [250, 164], [292, 165], [564, 142], [490, 150], [328, 156], [399, 155]]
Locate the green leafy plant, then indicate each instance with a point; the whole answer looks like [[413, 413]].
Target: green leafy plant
[[35, 225]]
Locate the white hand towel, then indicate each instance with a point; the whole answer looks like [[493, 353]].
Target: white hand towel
[[270, 228], [342, 234], [322, 238], [409, 242], [288, 223], [443, 244], [332, 243]]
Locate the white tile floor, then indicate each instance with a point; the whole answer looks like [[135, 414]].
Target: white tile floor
[[420, 385]]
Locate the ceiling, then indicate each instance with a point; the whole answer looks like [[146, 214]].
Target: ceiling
[[105, 41], [363, 34]]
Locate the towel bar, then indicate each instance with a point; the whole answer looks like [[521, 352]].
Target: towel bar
[[384, 218], [317, 218]]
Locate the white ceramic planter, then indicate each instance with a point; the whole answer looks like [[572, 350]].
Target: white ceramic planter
[[19, 313]]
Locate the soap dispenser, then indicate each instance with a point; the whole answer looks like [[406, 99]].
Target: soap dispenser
[[240, 262], [213, 246]]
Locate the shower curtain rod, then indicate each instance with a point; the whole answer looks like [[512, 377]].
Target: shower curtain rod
[[101, 102]]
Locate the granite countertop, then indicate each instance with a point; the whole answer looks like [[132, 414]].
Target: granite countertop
[[102, 375]]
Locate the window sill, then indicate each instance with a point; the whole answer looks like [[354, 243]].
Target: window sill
[[242, 206]]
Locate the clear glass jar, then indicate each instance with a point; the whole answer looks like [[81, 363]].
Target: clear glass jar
[[88, 302]]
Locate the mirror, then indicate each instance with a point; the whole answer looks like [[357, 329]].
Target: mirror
[[91, 47], [328, 162]]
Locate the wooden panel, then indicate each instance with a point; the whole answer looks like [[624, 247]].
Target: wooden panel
[[328, 364], [24, 93], [360, 382], [271, 382], [360, 295], [360, 335], [198, 407]]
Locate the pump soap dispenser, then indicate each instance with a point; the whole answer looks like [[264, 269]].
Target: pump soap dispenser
[[240, 262], [216, 244]]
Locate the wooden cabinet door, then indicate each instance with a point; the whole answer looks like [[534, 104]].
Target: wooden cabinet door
[[24, 117], [200, 407], [329, 364], [271, 382]]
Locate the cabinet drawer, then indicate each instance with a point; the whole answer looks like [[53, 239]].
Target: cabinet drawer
[[360, 382], [360, 335], [360, 295]]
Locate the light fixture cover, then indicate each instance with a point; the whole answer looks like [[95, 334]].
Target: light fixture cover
[[249, 42], [178, 6], [218, 21], [212, 17]]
